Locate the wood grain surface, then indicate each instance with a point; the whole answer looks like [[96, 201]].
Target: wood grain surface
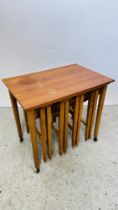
[[45, 87]]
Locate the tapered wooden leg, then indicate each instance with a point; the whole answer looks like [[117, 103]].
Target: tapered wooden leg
[[89, 113], [16, 116], [49, 131], [75, 121], [43, 132], [66, 112], [26, 122], [81, 100], [99, 112], [61, 127], [93, 112], [33, 134]]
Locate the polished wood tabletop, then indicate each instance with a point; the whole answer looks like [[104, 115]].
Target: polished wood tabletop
[[42, 88]]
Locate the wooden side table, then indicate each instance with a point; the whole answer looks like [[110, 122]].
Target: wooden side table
[[42, 89]]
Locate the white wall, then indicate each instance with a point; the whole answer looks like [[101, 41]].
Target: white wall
[[39, 34]]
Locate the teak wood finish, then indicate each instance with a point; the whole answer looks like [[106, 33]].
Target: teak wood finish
[[16, 116], [99, 111], [75, 121], [43, 132], [89, 114], [49, 131], [66, 112], [81, 100], [40, 90], [96, 92], [61, 127], [33, 134], [26, 122]]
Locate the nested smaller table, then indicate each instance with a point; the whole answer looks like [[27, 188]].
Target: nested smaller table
[[40, 90]]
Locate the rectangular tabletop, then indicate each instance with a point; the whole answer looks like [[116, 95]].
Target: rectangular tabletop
[[42, 88]]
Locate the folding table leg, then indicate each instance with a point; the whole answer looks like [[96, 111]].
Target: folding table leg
[[61, 127], [49, 131], [16, 116], [43, 132], [89, 114], [33, 134], [66, 112], [81, 100], [75, 121], [99, 112], [93, 112]]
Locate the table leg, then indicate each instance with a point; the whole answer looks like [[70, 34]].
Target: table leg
[[43, 132], [89, 113], [33, 134], [66, 112], [16, 116], [81, 100], [75, 121], [61, 127], [93, 112], [49, 131], [26, 122], [99, 111]]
